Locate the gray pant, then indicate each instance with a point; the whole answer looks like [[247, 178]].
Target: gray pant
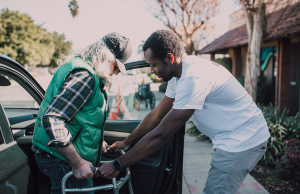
[[229, 169]]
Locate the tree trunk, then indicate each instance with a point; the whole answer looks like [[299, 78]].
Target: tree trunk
[[255, 34], [189, 45]]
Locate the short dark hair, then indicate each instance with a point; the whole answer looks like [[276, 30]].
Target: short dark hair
[[163, 42]]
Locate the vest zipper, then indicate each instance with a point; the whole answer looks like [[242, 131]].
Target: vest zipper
[[97, 163], [76, 136]]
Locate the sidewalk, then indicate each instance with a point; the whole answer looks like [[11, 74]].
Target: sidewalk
[[196, 164]]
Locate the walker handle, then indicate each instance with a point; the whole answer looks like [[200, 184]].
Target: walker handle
[[115, 186], [94, 169]]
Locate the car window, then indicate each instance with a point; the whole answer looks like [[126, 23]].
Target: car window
[[15, 96], [133, 96]]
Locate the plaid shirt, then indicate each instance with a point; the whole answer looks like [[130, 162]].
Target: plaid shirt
[[73, 94]]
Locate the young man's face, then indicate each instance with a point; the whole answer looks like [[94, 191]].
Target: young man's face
[[161, 68]]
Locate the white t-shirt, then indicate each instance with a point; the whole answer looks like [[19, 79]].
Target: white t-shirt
[[224, 111]]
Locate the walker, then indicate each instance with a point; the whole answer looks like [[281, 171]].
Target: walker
[[115, 186]]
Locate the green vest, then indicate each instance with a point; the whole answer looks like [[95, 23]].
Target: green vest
[[86, 127]]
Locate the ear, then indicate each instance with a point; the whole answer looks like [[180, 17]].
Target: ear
[[170, 58]]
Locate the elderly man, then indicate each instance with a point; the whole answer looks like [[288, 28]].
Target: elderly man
[[68, 133], [217, 103]]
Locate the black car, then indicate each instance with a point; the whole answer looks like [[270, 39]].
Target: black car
[[20, 97]]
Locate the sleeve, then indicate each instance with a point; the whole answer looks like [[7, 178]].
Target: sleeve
[[191, 93], [73, 94], [171, 90]]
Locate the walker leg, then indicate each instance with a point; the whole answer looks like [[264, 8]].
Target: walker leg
[[130, 186], [115, 188]]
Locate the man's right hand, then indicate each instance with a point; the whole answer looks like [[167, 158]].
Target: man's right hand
[[83, 170], [118, 145]]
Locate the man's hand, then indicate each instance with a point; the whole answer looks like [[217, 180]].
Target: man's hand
[[83, 170], [118, 145], [107, 170], [80, 167], [104, 145]]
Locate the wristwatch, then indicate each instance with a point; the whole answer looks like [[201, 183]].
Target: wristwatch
[[117, 165]]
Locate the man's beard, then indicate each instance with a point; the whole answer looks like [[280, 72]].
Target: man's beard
[[168, 77], [103, 71]]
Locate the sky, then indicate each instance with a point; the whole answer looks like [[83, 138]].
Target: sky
[[130, 18]]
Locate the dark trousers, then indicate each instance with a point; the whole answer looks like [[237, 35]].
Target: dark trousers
[[56, 169]]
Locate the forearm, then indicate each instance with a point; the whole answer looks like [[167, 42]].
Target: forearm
[[70, 153], [58, 133], [156, 138], [149, 123], [148, 145]]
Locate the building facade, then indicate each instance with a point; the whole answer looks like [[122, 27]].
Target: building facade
[[280, 54]]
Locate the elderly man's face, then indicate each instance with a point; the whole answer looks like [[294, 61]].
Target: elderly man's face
[[114, 68]]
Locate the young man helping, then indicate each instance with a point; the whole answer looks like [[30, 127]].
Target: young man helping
[[216, 102]]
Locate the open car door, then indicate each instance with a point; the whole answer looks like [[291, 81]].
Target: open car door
[[159, 173]]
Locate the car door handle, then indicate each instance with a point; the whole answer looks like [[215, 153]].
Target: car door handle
[[34, 115]]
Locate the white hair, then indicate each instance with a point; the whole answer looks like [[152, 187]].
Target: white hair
[[98, 56]]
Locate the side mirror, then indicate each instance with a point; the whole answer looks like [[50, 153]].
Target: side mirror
[[4, 81]]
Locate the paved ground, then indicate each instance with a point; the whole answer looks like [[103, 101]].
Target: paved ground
[[196, 164]]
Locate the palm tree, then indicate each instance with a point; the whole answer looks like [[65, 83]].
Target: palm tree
[[74, 8]]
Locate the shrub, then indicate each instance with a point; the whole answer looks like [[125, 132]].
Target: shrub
[[293, 127], [192, 130], [277, 130], [288, 165], [281, 128], [163, 87]]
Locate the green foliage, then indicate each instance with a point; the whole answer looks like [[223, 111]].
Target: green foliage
[[62, 47], [281, 128], [163, 87], [277, 130], [25, 42], [154, 78], [293, 127], [151, 76], [192, 130], [226, 62], [288, 165]]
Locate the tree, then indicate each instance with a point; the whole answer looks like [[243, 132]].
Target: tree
[[186, 17], [62, 47], [256, 15], [74, 8], [23, 41], [27, 43]]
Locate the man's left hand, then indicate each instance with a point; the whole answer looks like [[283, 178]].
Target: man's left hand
[[107, 170]]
